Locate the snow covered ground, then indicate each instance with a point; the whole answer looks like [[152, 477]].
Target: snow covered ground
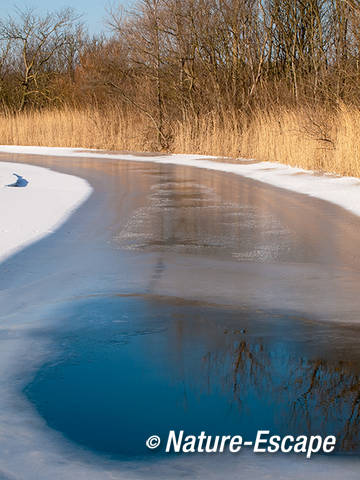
[[343, 191], [42, 202]]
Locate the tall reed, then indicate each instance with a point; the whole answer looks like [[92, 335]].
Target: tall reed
[[318, 139]]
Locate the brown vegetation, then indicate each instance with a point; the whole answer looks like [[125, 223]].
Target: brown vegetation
[[268, 79], [287, 136]]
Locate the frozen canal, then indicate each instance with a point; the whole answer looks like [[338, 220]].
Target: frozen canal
[[178, 298]]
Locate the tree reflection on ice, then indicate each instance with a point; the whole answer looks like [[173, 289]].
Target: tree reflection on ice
[[196, 367]]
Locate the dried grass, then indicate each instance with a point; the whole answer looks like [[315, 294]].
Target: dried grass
[[304, 137]]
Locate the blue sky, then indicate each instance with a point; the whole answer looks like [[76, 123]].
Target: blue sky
[[93, 10]]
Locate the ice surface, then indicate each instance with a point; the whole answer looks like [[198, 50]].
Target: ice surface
[[343, 191], [28, 449]]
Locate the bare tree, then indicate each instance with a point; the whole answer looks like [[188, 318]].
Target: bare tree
[[36, 39]]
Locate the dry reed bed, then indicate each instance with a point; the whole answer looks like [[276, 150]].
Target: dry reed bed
[[311, 139]]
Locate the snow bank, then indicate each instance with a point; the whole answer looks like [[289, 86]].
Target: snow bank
[[343, 191], [39, 207]]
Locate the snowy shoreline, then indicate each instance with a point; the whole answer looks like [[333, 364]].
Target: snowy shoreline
[[37, 208], [342, 191]]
